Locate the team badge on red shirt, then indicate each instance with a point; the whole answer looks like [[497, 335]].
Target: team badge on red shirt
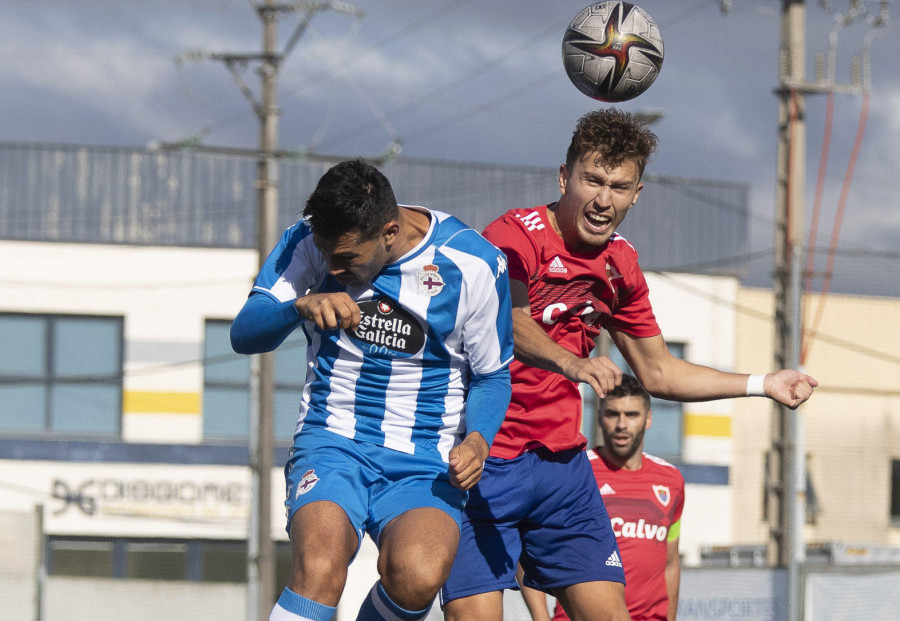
[[663, 495]]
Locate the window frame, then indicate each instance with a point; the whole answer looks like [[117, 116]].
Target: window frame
[[294, 387], [51, 377]]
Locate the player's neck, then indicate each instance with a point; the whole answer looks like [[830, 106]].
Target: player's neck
[[413, 228], [632, 462]]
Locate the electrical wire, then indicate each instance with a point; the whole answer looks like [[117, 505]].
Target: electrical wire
[[835, 233]]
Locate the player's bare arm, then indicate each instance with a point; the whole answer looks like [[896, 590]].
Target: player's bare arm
[[467, 461], [329, 311], [673, 578], [535, 348], [667, 377]]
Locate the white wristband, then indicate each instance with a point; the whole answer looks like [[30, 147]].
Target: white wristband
[[755, 385]]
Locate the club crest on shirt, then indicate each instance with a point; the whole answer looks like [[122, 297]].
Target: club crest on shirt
[[430, 282], [663, 495], [307, 482]]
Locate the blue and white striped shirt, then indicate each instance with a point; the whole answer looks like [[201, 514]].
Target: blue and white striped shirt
[[430, 321]]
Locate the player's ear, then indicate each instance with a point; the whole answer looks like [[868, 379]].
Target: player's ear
[[637, 193], [649, 420], [389, 232], [563, 177]]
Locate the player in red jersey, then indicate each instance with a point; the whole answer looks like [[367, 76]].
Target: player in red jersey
[[644, 496], [570, 276]]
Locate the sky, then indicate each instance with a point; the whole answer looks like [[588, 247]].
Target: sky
[[473, 80]]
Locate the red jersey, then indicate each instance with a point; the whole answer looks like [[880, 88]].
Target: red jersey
[[573, 295], [643, 507]]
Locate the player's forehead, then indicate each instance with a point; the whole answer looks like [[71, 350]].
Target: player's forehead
[[593, 163], [629, 403], [350, 243]]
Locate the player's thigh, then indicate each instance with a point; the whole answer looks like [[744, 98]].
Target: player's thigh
[[484, 607], [418, 548], [411, 482], [490, 541], [568, 539], [323, 542], [327, 467], [594, 601]]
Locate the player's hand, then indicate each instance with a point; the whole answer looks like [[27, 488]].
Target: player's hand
[[600, 373], [329, 311], [467, 461], [789, 387]]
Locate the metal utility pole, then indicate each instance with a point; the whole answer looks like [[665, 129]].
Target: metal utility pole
[[260, 547], [786, 486]]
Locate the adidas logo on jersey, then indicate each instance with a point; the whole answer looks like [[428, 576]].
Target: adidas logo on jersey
[[556, 266], [606, 490], [614, 560]]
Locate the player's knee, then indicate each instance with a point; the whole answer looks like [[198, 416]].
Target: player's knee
[[416, 583], [316, 576]]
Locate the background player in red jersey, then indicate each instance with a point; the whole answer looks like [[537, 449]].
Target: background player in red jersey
[[572, 275], [644, 496]]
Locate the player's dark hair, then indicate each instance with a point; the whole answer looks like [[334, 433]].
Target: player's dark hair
[[629, 387], [351, 197], [615, 136]]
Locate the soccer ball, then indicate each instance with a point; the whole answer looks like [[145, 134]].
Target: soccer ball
[[612, 51]]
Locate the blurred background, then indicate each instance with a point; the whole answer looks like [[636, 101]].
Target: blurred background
[[139, 149]]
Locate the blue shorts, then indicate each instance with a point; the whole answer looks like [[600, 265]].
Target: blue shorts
[[542, 509], [371, 483]]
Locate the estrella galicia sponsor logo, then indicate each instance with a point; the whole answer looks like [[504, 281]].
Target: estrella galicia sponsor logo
[[387, 329]]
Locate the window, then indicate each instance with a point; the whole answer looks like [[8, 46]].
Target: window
[[81, 557], [895, 492], [155, 559], [664, 438], [226, 392], [61, 374]]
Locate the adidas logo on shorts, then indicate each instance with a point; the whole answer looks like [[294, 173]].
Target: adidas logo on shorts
[[614, 560]]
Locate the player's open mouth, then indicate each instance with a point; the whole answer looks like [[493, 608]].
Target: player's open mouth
[[597, 221]]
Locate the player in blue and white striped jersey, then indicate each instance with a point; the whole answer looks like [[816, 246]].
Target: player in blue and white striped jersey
[[408, 320]]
